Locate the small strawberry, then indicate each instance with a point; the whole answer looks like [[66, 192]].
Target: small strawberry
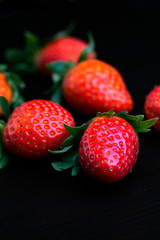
[[63, 49], [34, 127], [108, 148], [36, 56], [94, 86], [10, 83], [152, 106]]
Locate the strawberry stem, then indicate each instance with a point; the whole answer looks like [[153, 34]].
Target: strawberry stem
[[89, 49], [59, 70]]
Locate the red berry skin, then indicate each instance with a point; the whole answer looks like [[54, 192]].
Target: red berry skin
[[62, 49], [108, 149], [35, 127], [152, 106], [95, 86]]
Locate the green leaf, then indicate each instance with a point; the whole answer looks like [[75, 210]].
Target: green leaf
[[78, 131], [23, 67], [3, 67], [57, 95], [61, 150], [32, 44], [63, 33], [89, 49], [60, 166], [14, 55], [2, 126], [145, 125], [140, 117], [70, 160], [60, 67], [5, 107], [68, 142], [137, 122], [108, 114], [4, 160], [17, 99], [70, 157], [75, 171], [56, 78], [16, 79]]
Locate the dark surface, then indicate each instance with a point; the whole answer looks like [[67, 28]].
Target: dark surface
[[38, 203]]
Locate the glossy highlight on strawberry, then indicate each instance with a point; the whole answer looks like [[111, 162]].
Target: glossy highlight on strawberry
[[35, 127], [108, 149], [95, 86]]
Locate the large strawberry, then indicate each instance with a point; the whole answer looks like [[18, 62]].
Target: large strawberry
[[60, 47], [10, 83], [93, 86], [152, 105], [34, 127], [108, 148]]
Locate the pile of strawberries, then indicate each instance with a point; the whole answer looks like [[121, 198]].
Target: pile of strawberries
[[107, 146]]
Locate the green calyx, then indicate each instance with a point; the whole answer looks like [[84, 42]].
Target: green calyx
[[136, 122], [69, 148], [4, 157], [16, 83], [59, 70]]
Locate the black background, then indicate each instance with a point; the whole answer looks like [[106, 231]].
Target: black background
[[38, 203]]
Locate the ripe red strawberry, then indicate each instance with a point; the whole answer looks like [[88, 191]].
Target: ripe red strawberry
[[62, 49], [94, 86], [108, 148], [36, 126], [152, 106], [36, 56]]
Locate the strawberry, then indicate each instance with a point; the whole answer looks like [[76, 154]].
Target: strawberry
[[94, 86], [10, 83], [152, 105], [61, 47], [34, 127], [108, 147]]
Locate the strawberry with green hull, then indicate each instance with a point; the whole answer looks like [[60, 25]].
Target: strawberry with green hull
[[60, 47], [63, 49], [152, 105], [34, 127], [107, 145], [10, 84], [92, 86]]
